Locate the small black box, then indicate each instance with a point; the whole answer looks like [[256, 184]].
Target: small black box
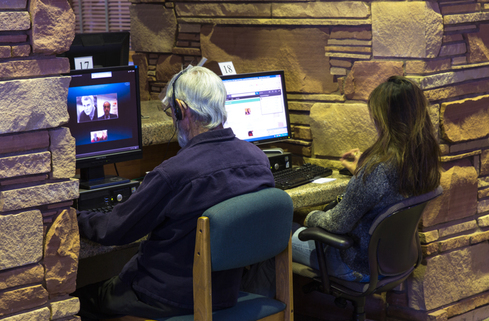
[[105, 196], [280, 162]]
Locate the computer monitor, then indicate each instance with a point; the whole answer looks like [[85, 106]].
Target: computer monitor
[[107, 49], [105, 119], [256, 106]]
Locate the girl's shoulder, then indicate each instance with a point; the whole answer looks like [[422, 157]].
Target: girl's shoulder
[[379, 169]]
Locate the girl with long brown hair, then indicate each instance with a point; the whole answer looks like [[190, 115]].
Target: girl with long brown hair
[[403, 162]]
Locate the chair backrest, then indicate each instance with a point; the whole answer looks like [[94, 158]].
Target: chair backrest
[[394, 245], [249, 228]]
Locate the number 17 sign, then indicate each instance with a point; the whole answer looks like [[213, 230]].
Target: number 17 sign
[[84, 62]]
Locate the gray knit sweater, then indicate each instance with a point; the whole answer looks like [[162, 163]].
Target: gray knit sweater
[[362, 202]]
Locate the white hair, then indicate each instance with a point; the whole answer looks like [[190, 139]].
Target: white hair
[[204, 94], [87, 98]]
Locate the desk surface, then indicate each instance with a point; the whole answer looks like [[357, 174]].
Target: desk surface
[[156, 126], [302, 196], [317, 194]]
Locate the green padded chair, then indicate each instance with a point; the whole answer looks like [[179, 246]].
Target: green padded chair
[[238, 232]]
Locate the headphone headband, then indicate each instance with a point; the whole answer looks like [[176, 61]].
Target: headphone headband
[[176, 111]]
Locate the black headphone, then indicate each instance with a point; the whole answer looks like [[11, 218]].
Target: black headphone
[[176, 111]]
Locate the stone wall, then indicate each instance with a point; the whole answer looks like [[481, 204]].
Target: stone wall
[[39, 240], [334, 53]]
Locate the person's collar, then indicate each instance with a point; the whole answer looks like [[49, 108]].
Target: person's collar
[[211, 136]]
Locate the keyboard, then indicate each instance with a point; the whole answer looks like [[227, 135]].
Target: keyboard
[[296, 176]]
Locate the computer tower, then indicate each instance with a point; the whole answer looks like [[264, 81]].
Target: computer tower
[[280, 161], [105, 196]]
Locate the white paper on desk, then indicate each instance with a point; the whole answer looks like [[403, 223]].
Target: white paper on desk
[[323, 180]]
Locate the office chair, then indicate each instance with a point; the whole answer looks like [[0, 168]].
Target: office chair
[[394, 252], [238, 232]]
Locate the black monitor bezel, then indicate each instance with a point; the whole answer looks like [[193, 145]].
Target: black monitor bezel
[[286, 106], [110, 158]]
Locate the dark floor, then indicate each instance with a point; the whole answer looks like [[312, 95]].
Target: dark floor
[[316, 306], [298, 317]]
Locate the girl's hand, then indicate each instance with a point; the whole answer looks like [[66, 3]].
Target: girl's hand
[[350, 159]]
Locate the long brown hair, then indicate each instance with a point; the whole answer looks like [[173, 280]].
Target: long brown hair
[[406, 139]]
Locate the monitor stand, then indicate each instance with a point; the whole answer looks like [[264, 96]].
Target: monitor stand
[[94, 177]]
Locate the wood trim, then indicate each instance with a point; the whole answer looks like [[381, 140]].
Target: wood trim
[[202, 272], [283, 272]]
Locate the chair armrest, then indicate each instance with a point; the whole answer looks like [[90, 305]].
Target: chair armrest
[[318, 234]]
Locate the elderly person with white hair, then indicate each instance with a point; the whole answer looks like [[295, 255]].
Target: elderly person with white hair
[[212, 166]]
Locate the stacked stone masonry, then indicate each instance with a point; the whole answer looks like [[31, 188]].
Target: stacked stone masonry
[[39, 238], [334, 53]]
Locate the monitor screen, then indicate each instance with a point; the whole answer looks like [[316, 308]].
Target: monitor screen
[[107, 49], [105, 119], [256, 106]]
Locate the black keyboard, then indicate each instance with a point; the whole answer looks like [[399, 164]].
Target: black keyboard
[[292, 177]]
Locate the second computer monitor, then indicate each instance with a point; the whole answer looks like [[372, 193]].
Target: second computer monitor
[[256, 106], [107, 49]]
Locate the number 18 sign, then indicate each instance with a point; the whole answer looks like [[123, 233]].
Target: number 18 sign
[[227, 68]]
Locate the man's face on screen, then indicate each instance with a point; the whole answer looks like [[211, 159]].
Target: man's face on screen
[[106, 109], [87, 106]]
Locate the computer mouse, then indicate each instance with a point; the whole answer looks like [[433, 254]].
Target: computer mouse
[[345, 171]]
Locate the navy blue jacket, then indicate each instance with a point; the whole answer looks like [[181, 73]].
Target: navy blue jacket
[[213, 167]]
